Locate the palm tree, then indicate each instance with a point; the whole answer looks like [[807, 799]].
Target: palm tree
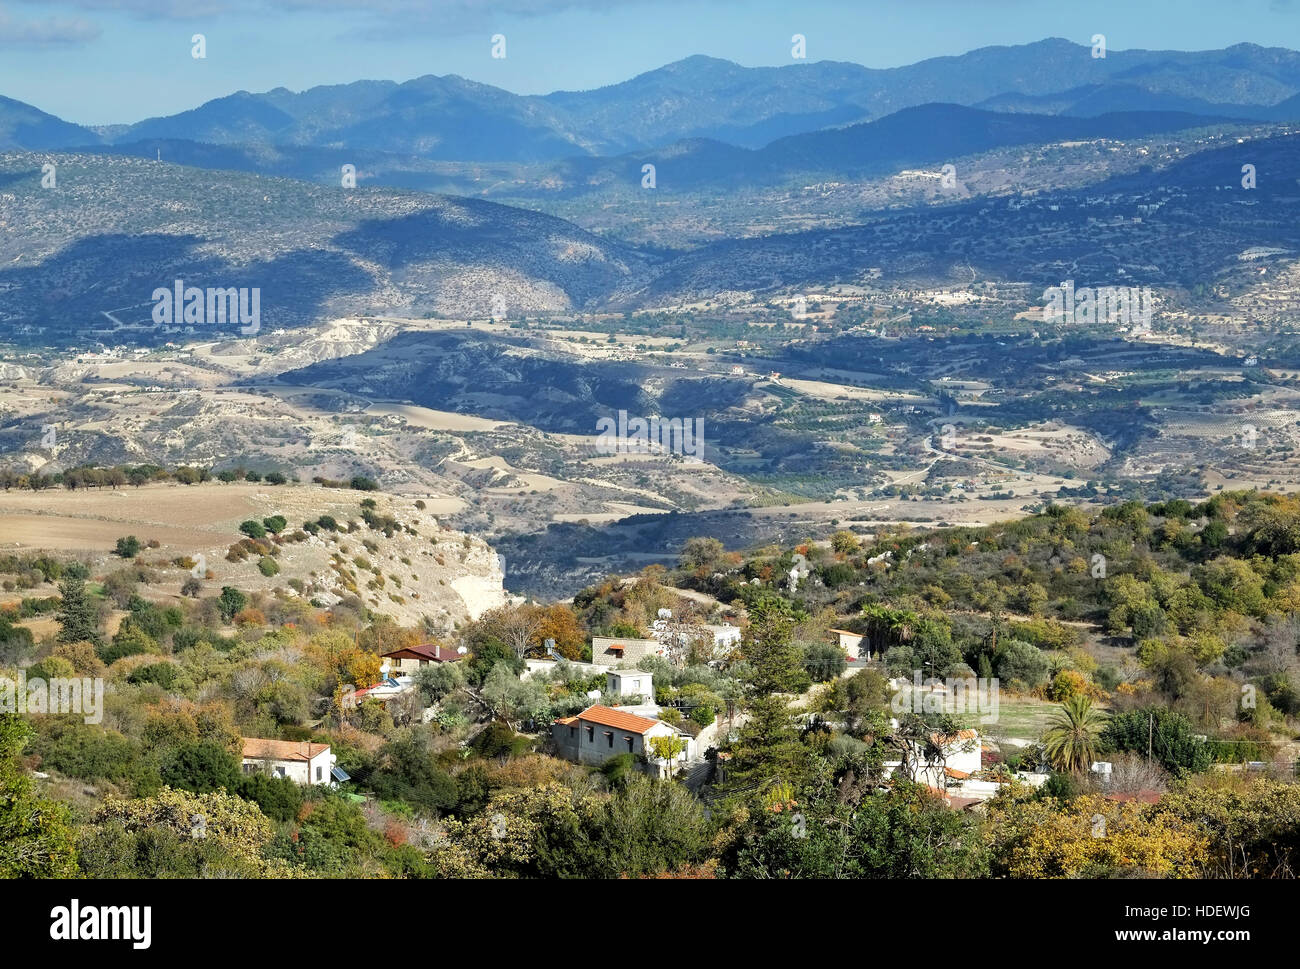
[[1071, 742]]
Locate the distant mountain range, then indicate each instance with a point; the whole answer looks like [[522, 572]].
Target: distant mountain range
[[926, 135], [451, 118]]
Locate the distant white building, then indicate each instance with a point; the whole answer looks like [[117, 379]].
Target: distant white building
[[300, 761]]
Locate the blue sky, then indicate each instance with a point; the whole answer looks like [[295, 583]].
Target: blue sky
[[106, 61]]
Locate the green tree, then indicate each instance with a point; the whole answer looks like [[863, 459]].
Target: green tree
[[701, 554], [230, 602], [1169, 736], [1071, 743], [78, 618], [203, 767], [666, 749], [36, 839]]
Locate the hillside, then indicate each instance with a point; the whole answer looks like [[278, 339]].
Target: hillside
[[115, 229], [422, 572]]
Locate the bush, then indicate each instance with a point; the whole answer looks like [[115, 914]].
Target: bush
[[253, 529], [1019, 660], [1067, 684], [498, 740], [268, 567], [163, 674], [824, 661], [128, 547], [202, 767]]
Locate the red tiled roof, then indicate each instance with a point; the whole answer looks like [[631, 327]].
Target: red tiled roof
[[608, 717], [961, 736], [960, 775], [426, 651], [256, 748]]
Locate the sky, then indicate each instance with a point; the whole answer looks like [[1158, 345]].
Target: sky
[[120, 61]]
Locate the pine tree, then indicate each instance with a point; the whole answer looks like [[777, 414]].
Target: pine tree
[[767, 747], [78, 618]]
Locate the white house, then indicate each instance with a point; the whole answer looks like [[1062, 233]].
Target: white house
[[298, 760], [630, 683], [599, 733], [725, 637], [962, 753], [851, 643]]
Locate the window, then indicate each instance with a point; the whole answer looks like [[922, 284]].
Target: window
[[591, 734], [573, 731], [629, 743], [319, 775], [609, 736]]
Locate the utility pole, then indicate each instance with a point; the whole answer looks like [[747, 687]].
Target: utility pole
[[1151, 718]]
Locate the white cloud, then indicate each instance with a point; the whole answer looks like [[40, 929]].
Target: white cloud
[[45, 31]]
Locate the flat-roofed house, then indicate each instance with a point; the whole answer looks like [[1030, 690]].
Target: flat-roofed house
[[851, 643], [599, 733], [630, 683], [298, 760]]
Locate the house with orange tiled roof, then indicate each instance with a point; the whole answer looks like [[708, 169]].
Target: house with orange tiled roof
[[600, 732], [298, 760]]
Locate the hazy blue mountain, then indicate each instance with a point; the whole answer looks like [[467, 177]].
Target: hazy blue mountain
[[924, 135], [451, 118], [1094, 99], [25, 127]]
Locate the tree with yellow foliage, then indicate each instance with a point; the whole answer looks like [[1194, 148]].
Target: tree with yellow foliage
[[1090, 836]]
